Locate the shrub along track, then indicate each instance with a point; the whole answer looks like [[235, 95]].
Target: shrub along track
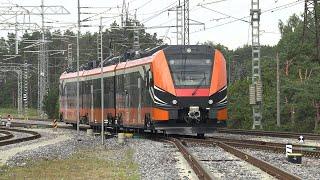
[[34, 135]]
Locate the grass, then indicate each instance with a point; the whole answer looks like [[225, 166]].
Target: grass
[[32, 113], [85, 164]]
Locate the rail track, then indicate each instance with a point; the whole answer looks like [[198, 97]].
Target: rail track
[[200, 171], [268, 168], [34, 135], [309, 136], [309, 151], [7, 135]]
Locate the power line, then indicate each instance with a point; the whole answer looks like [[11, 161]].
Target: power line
[[278, 8], [224, 14]]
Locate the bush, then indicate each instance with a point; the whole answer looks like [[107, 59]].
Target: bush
[[51, 103]]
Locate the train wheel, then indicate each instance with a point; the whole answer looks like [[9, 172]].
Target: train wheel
[[147, 122], [74, 126], [61, 117], [200, 135]]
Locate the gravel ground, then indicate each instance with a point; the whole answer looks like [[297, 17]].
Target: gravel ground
[[264, 138], [156, 160], [224, 165], [309, 169]]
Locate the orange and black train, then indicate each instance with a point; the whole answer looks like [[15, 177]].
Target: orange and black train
[[180, 89]]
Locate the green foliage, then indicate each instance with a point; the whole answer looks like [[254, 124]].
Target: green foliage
[[239, 109], [300, 82], [51, 103]]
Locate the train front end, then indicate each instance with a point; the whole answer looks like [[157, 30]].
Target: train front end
[[189, 89]]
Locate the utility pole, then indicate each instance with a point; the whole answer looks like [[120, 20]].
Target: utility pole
[[278, 92], [78, 78], [255, 89], [102, 84]]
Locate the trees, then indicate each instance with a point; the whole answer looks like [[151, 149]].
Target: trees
[[116, 40], [51, 103], [300, 82]]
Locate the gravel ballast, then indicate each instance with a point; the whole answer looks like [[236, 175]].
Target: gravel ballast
[[224, 165], [309, 169]]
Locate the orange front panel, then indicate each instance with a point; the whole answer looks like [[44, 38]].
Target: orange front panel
[[159, 114], [161, 73], [222, 114], [219, 74]]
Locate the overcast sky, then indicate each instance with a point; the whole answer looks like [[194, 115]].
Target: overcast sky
[[233, 35]]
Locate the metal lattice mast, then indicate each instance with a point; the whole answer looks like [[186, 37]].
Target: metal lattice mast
[[25, 88], [186, 40], [16, 35], [43, 66], [99, 46], [179, 25], [308, 10], [70, 58], [256, 86], [42, 10], [311, 20], [136, 39], [20, 86], [18, 70]]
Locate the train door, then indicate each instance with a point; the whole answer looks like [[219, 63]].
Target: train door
[[91, 102], [65, 102], [139, 100], [127, 107]]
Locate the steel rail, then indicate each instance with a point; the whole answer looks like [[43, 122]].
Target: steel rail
[[315, 154], [261, 145], [309, 136], [201, 172], [247, 141], [268, 168], [35, 135], [7, 135]]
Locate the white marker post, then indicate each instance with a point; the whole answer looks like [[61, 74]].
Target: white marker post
[[288, 149], [301, 139]]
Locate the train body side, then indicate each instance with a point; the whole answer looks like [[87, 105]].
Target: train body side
[[147, 93]]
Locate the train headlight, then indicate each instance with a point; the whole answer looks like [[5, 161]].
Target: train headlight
[[174, 102], [210, 101]]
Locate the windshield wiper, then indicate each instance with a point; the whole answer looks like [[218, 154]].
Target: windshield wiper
[[200, 84]]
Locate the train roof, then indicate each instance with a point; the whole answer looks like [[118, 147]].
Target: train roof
[[130, 59]]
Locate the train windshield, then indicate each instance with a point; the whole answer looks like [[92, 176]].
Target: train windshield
[[191, 72]]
